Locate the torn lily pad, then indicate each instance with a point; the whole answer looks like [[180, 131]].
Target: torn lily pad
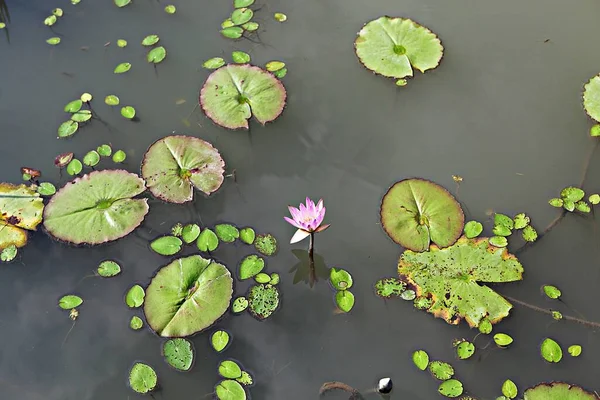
[[98, 207], [234, 93], [177, 296], [416, 212], [473, 229], [174, 165], [392, 47], [591, 98], [179, 353], [263, 300], [558, 391], [389, 287], [454, 277], [266, 244], [21, 209]]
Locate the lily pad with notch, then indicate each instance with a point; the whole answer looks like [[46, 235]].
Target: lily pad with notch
[[227, 233], [207, 241], [250, 266], [179, 353], [229, 389], [135, 296], [219, 340], [156, 55]]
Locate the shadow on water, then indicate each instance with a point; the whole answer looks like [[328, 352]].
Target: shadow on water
[[307, 272]]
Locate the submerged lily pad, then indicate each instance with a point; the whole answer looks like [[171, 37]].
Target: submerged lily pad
[[558, 391], [21, 209], [174, 165], [142, 378], [179, 353], [234, 93], [415, 212], [591, 98], [263, 300], [389, 287], [266, 244], [187, 296], [452, 277], [230, 390], [219, 340], [390, 46], [98, 207]]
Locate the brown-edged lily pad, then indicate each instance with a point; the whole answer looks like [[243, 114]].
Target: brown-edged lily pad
[[558, 391], [21, 209]]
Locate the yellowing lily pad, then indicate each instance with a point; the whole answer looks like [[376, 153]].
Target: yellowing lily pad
[[392, 47], [234, 93], [415, 212], [187, 296], [21, 209], [558, 391], [453, 279], [174, 165], [591, 98], [98, 207]]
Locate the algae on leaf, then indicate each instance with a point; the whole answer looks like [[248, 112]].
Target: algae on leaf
[[558, 391], [98, 207], [591, 98], [174, 165], [263, 300], [266, 244], [187, 296], [453, 278], [392, 47], [234, 93], [389, 287]]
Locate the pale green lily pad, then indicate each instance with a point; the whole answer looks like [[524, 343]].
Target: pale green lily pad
[[219, 340], [594, 199], [46, 189], [53, 41], [245, 379], [415, 212], [247, 235], [122, 68], [150, 40], [509, 389], [108, 269], [167, 245], [465, 350], [104, 150], [51, 20], [280, 17], [170, 9], [214, 63], [21, 209], [551, 351], [558, 391], [98, 207], [86, 97], [230, 369], [179, 353], [234, 93], [58, 12], [262, 278], [74, 167], [266, 244], [156, 55], [498, 241], [70, 301], [187, 296], [521, 221], [344, 300], [241, 15], [557, 315], [575, 350], [227, 233], [451, 388], [485, 326], [441, 370], [263, 300], [239, 304], [529, 234], [502, 339], [273, 66], [591, 98], [556, 202], [238, 57], [91, 159], [473, 229], [119, 156], [552, 291], [453, 278], [392, 47], [9, 253], [340, 279], [136, 323], [251, 26], [275, 278], [250, 266], [421, 359], [112, 100], [233, 32], [135, 296], [67, 128], [174, 165], [142, 378], [389, 287], [190, 233], [242, 3], [207, 241], [128, 112], [230, 390], [121, 43], [595, 130], [501, 231]]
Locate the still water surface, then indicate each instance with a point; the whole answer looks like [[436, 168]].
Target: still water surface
[[503, 110]]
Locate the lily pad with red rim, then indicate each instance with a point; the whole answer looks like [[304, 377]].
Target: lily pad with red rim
[[558, 391], [591, 98], [416, 212], [174, 165], [234, 93], [96, 208]]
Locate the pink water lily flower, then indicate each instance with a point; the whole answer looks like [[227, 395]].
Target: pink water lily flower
[[307, 218]]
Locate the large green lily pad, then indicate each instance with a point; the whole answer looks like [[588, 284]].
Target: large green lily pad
[[453, 279], [415, 212], [174, 165], [187, 296], [591, 98], [392, 47], [98, 207], [21, 209], [234, 93], [558, 391]]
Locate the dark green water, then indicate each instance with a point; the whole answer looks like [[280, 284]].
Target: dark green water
[[503, 110]]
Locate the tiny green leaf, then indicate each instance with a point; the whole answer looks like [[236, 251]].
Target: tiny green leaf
[[239, 57], [572, 193], [81, 116], [46, 189], [9, 253], [556, 202], [502, 339], [274, 279], [594, 199], [451, 388], [122, 68], [389, 287], [499, 241], [190, 233], [262, 278], [568, 205], [281, 73], [166, 245], [273, 66], [170, 9], [104, 150], [214, 63], [465, 349], [245, 379], [503, 220], [227, 233], [250, 266], [241, 15], [251, 26], [266, 244], [207, 241], [108, 269], [157, 55], [529, 234], [119, 156], [150, 40], [595, 131], [142, 378], [247, 235], [557, 315], [121, 43], [473, 229], [53, 41], [230, 369], [58, 12], [485, 326], [112, 100], [552, 291], [239, 304], [179, 353], [51, 20], [421, 359], [74, 167], [70, 301], [509, 389], [86, 97], [582, 206], [574, 350], [135, 296], [234, 32], [74, 106], [280, 17], [219, 340], [441, 370], [340, 279], [401, 82], [91, 159], [128, 112], [136, 323], [551, 350], [242, 3], [344, 300]]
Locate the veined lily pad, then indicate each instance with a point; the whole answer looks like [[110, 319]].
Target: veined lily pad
[[451, 277], [187, 296], [67, 128], [167, 245], [591, 98], [21, 209], [150, 40], [108, 269], [502, 339], [157, 55], [174, 165], [219, 340], [104, 150], [415, 212], [263, 300], [230, 390], [142, 378], [98, 207], [239, 57], [74, 167], [389, 46], [179, 353], [234, 93], [558, 391], [250, 266]]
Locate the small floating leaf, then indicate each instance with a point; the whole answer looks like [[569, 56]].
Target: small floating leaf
[[498, 241], [177, 230], [250, 266], [58, 12], [142, 378], [190, 233], [228, 23], [245, 379], [230, 390], [529, 234], [91, 159], [81, 116], [340, 279], [239, 304], [551, 350], [451, 388], [473, 229], [263, 300], [441, 370], [241, 15], [234, 32], [594, 199], [119, 156], [230, 369], [63, 159], [53, 41], [552, 291], [509, 389], [219, 340], [122, 68], [273, 66], [556, 202], [108, 269], [280, 73], [465, 349], [167, 245], [86, 97], [501, 231], [207, 241], [239, 57], [583, 207], [122, 3], [242, 3], [121, 43], [389, 287], [74, 106], [573, 194], [344, 300], [112, 100], [227, 233], [408, 295], [51, 20], [266, 244], [274, 279], [70, 301], [179, 353], [401, 82], [421, 359], [104, 150], [595, 131], [568, 205], [280, 17], [128, 112], [574, 350], [46, 189], [247, 235], [170, 9], [214, 63], [75, 2], [504, 221], [502, 339], [557, 315], [150, 40], [251, 26], [485, 326], [262, 278], [135, 296], [136, 323], [157, 55], [521, 221], [74, 167]]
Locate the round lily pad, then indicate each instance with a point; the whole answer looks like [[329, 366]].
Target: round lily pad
[[73, 106], [119, 156], [219, 340], [178, 295], [465, 349], [266, 244], [179, 353], [234, 93], [451, 388], [421, 359], [227, 233], [174, 165], [142, 378], [91, 159], [591, 98], [112, 100], [509, 389], [263, 300], [241, 15], [262, 278], [150, 40], [207, 241], [416, 212], [98, 207], [109, 268], [558, 391], [392, 47], [122, 68], [473, 229], [230, 390], [74, 167], [551, 350], [250, 266], [441, 370], [135, 296], [239, 57], [157, 55], [233, 32], [81, 116], [230, 369], [190, 233], [136, 323], [247, 235]]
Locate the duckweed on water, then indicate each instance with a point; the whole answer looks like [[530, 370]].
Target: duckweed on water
[[421, 359], [70, 301], [250, 266], [266, 244], [136, 323], [551, 351], [207, 241], [108, 269], [135, 296], [179, 353], [219, 340], [122, 68], [245, 379], [166, 245], [142, 378]]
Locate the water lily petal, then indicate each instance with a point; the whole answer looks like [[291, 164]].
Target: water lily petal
[[295, 213], [320, 205], [293, 223], [299, 236], [323, 227], [303, 209]]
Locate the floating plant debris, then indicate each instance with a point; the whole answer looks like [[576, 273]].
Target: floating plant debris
[[122, 68], [230, 369], [51, 20], [98, 207], [551, 351], [421, 359], [174, 165], [250, 266], [509, 389], [214, 63], [230, 390], [389, 287], [170, 9], [263, 300], [157, 55], [239, 304], [552, 291], [179, 353], [62, 160], [108, 269], [340, 279], [591, 98], [266, 244], [441, 370], [21, 209], [238, 57], [234, 93], [135, 296], [207, 241], [86, 97], [190, 233], [150, 40], [70, 301], [451, 388], [219, 340], [465, 349], [575, 350], [247, 235], [176, 296], [262, 278], [502, 339], [558, 391], [142, 378], [119, 156], [227, 233], [8, 253], [442, 274], [167, 245], [344, 300], [415, 212], [245, 379], [136, 323], [392, 47], [280, 17]]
